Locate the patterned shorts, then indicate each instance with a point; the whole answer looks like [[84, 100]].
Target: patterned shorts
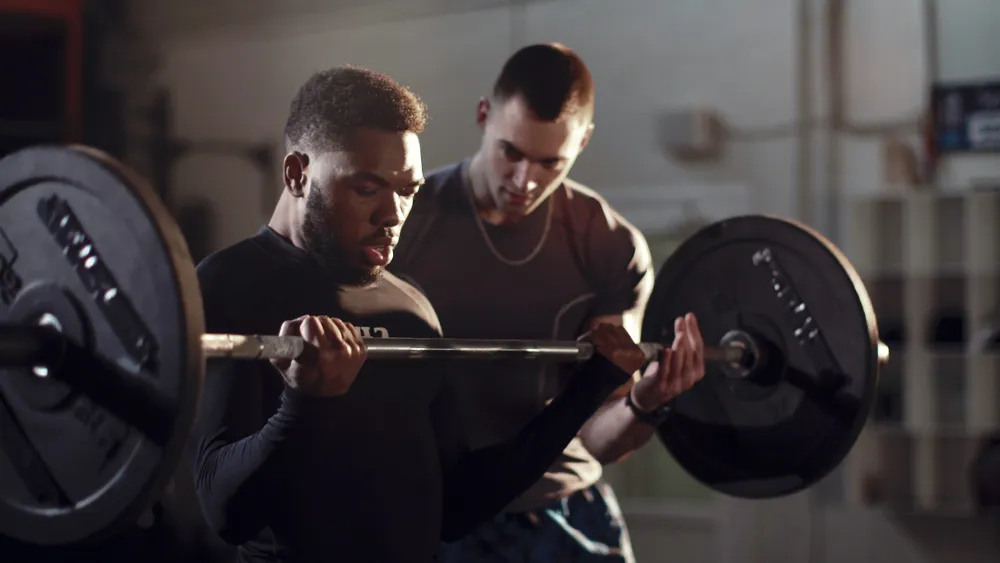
[[586, 527]]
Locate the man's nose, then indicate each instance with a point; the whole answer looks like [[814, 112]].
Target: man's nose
[[390, 213], [524, 176]]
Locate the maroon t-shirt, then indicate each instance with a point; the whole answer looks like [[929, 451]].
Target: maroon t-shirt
[[542, 278]]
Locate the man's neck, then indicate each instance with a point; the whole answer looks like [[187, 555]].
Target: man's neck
[[479, 189], [285, 222], [475, 182]]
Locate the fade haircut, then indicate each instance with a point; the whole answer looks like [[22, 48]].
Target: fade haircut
[[553, 81], [334, 103]]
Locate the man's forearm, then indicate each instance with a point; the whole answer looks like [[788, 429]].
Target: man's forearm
[[486, 480], [614, 432]]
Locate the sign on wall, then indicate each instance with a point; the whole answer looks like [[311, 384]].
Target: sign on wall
[[966, 117]]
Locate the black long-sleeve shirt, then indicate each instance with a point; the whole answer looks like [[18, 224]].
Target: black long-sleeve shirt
[[378, 474]]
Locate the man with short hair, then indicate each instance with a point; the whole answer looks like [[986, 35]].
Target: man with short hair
[[339, 458], [543, 258]]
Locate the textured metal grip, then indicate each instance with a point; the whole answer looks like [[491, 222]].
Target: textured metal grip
[[252, 347]]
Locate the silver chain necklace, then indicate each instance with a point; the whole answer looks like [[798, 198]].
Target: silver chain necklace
[[467, 177]]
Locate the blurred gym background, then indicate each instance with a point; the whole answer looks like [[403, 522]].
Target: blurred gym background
[[875, 121]]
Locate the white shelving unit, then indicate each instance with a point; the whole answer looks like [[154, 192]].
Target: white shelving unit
[[931, 263]]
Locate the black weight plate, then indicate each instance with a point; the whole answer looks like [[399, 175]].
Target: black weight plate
[[794, 420], [85, 240]]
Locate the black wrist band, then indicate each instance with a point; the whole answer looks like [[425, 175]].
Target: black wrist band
[[652, 418]]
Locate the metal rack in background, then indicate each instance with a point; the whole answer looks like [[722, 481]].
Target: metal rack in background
[[120, 118], [165, 150]]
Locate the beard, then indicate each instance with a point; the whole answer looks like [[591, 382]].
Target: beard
[[322, 243]]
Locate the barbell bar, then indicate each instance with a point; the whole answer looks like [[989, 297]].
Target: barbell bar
[[44, 350], [291, 347], [96, 282], [22, 346], [256, 346], [37, 346]]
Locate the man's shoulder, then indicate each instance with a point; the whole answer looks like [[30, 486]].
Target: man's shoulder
[[226, 264], [413, 298], [233, 281], [602, 220], [438, 177], [236, 274], [438, 187], [618, 254], [439, 196]]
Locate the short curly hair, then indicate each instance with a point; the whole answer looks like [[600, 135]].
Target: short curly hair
[[333, 103]]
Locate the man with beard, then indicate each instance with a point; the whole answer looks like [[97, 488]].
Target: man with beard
[[340, 459], [546, 259]]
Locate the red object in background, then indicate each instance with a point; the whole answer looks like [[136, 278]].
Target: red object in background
[[70, 14]]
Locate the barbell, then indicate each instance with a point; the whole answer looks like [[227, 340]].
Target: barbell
[[103, 349]]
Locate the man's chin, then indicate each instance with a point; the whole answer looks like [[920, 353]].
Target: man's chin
[[353, 274], [362, 275], [516, 211], [372, 275]]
